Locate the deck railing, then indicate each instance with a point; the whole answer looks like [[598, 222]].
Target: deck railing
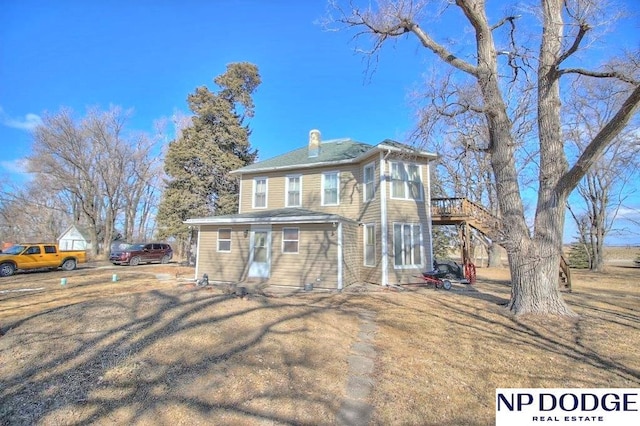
[[463, 210]]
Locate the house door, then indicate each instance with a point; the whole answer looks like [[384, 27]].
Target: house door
[[260, 256]]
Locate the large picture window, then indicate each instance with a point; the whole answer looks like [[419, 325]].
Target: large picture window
[[260, 193], [370, 245], [405, 181], [368, 179], [294, 188], [290, 240], [224, 240], [407, 245], [330, 188]]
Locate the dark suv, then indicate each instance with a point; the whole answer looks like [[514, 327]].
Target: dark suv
[[134, 254]]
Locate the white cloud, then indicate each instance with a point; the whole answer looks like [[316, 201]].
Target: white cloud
[[629, 213], [18, 165], [28, 122]]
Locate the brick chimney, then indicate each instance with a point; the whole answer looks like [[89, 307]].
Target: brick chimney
[[314, 143]]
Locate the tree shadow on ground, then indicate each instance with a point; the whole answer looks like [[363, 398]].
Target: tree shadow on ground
[[196, 356]]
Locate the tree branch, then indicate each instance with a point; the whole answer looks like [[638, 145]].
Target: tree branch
[[397, 22], [504, 20], [598, 74], [439, 50], [599, 143], [584, 28]]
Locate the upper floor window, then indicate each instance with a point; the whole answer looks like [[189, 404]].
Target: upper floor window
[[294, 189], [405, 181], [407, 245], [260, 192], [224, 239], [368, 179], [330, 188]]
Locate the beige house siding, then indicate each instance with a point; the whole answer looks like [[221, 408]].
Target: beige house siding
[[311, 197], [410, 212], [370, 210], [222, 266], [352, 254], [371, 274], [315, 262], [371, 213], [400, 211]]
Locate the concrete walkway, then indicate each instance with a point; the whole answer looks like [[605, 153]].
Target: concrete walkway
[[355, 409]]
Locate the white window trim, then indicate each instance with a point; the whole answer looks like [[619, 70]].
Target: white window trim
[[364, 245], [420, 246], [406, 182], [324, 175], [218, 240], [286, 190], [298, 240], [371, 165], [266, 192]]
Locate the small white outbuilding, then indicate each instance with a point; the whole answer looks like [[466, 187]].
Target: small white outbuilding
[[74, 238]]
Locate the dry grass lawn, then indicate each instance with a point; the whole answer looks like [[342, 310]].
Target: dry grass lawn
[[152, 349]]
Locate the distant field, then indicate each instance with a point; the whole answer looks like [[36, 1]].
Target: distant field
[[618, 253], [614, 255]]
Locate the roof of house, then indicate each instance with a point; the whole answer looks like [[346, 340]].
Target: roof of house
[[335, 151], [286, 215], [81, 230]]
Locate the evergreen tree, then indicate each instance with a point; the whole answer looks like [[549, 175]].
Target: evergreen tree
[[199, 160], [579, 256]]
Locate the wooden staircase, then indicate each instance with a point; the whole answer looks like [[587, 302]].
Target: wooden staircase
[[465, 213]]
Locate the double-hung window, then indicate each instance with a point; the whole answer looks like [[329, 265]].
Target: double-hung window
[[368, 179], [370, 244], [330, 188], [260, 193], [293, 188], [290, 240], [407, 245], [224, 240], [406, 183]]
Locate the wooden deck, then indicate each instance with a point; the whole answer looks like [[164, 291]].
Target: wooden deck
[[458, 211], [465, 213]]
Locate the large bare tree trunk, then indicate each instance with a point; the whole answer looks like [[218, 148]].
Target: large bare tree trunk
[[534, 256], [534, 265], [531, 260]]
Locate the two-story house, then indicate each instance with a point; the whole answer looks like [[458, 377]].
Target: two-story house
[[331, 214]]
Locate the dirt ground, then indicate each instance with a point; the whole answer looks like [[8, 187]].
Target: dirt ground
[[152, 348]]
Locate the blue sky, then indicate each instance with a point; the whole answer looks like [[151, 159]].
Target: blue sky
[[149, 55]]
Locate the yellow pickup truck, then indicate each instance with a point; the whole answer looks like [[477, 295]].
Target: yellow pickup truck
[[38, 256]]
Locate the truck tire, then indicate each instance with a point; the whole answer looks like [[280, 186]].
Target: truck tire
[[165, 259], [7, 269], [68, 265], [135, 261]]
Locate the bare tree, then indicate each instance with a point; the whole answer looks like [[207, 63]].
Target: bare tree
[[101, 172], [498, 64], [30, 212], [604, 188], [142, 174]]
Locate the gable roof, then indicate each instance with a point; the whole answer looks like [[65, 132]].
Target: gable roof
[[84, 233], [332, 152]]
